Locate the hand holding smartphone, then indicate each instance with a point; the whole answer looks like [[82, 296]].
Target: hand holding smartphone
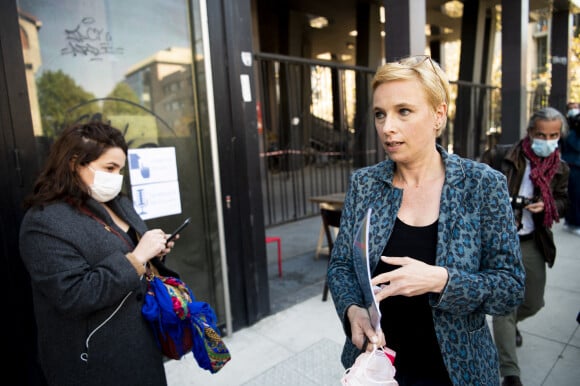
[[179, 229]]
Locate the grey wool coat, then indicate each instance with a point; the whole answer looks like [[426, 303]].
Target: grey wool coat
[[88, 297]]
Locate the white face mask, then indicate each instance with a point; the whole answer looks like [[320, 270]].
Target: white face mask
[[106, 186], [544, 147]]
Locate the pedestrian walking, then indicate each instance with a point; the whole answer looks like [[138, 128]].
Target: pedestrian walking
[[537, 182]]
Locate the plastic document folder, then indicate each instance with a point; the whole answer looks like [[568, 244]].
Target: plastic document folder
[[363, 269]]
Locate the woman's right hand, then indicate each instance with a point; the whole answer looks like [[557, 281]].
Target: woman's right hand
[[151, 244], [361, 329]]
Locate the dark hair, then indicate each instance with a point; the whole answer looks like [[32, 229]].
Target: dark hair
[[79, 144]]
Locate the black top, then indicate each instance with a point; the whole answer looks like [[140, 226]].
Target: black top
[[407, 321], [132, 232]]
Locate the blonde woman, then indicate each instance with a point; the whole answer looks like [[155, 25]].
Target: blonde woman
[[443, 245]]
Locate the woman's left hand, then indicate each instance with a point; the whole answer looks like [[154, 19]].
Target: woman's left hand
[[412, 278]]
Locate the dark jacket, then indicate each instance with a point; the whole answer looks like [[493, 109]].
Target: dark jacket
[[571, 148], [510, 160], [476, 242], [88, 298]]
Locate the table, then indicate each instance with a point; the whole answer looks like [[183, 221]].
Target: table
[[333, 201]]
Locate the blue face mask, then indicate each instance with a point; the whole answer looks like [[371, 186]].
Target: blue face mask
[[543, 147], [572, 112]]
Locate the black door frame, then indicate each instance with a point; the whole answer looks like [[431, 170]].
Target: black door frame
[[230, 33], [18, 166]]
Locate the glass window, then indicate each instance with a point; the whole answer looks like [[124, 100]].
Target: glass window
[[542, 53], [130, 63]]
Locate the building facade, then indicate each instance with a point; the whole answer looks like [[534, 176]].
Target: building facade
[[184, 75]]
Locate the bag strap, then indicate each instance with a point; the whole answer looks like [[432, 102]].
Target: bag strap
[[151, 271], [107, 227]]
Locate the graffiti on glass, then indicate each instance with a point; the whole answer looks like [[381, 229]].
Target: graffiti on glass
[[89, 40]]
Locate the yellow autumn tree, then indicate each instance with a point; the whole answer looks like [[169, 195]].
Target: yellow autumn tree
[[574, 66]]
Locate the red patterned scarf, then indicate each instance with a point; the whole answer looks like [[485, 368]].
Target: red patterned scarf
[[541, 173]]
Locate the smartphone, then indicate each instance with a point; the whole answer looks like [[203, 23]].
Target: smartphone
[[179, 229]]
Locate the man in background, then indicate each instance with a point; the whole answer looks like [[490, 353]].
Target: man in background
[[537, 182], [571, 154]]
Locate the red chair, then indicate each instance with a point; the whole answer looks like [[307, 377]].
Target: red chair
[[276, 239]]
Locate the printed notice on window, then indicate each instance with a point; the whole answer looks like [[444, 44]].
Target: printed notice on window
[[154, 182]]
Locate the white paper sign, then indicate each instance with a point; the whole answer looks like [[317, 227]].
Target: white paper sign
[[154, 182], [246, 88]]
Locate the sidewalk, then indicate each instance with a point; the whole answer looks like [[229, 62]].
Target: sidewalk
[[301, 345]]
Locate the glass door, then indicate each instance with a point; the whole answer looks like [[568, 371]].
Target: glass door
[[139, 66]]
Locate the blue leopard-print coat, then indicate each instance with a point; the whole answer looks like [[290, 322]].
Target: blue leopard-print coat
[[477, 242]]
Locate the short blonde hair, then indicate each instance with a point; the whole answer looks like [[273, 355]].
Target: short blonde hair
[[431, 77]]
